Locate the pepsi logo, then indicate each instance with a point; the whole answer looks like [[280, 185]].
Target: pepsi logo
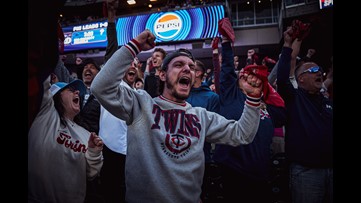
[[168, 25]]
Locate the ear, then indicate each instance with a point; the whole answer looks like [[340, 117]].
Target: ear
[[54, 78], [300, 78], [198, 74], [162, 74]]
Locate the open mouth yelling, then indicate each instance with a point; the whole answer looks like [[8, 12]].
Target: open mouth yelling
[[88, 76], [76, 100], [319, 80], [184, 83]]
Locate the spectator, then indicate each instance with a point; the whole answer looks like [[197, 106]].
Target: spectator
[[202, 96], [246, 169], [113, 130], [88, 118], [252, 57], [89, 115], [309, 129], [169, 165], [61, 154], [139, 84], [236, 63], [152, 70]]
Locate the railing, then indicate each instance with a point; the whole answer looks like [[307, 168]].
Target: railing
[[250, 22]]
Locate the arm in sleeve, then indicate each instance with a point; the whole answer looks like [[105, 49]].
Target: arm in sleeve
[[273, 74], [284, 85], [217, 69], [94, 161], [106, 87], [112, 45], [228, 75], [47, 98], [62, 72], [231, 132]]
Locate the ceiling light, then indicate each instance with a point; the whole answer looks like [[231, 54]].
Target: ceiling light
[[131, 2]]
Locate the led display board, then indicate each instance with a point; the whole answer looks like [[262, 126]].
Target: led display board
[[85, 36], [168, 27]]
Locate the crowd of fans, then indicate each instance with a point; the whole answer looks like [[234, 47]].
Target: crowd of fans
[[173, 130]]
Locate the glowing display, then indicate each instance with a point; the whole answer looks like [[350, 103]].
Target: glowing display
[[173, 26]]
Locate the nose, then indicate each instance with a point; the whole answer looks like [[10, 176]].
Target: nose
[[186, 68]]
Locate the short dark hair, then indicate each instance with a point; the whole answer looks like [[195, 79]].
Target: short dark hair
[[161, 51], [91, 61], [139, 79], [201, 65]]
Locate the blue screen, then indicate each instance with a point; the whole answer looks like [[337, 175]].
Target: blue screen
[[173, 26]]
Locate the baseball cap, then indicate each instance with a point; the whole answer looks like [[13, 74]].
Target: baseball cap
[[60, 86], [179, 52]]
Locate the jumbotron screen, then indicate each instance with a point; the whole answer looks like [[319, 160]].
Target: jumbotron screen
[[173, 26]]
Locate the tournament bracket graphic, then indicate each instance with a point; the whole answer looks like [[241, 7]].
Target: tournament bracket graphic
[[173, 26]]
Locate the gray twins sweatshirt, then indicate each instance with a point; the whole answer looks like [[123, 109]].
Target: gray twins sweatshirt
[[165, 159]]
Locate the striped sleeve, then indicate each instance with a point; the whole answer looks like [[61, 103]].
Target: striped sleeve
[[134, 47], [253, 101]]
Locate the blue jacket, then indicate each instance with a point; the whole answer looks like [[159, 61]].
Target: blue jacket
[[309, 127], [204, 97]]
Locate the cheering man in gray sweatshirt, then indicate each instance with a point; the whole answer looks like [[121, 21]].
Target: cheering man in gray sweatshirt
[[165, 159]]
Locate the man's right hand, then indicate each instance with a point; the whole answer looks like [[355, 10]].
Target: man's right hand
[[146, 40]]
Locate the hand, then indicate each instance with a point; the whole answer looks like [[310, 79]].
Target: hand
[[149, 61], [300, 29], [310, 52], [252, 85], [250, 53], [215, 43], [287, 37], [146, 40], [95, 142]]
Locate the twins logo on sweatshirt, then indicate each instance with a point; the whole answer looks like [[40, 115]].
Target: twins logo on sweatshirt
[[68, 142], [181, 129], [176, 145]]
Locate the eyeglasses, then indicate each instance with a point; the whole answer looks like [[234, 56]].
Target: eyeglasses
[[313, 69]]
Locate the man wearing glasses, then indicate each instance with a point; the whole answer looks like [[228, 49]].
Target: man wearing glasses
[[309, 77], [309, 129]]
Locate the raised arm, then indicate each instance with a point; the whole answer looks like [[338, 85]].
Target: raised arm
[[112, 45], [216, 63], [105, 86]]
